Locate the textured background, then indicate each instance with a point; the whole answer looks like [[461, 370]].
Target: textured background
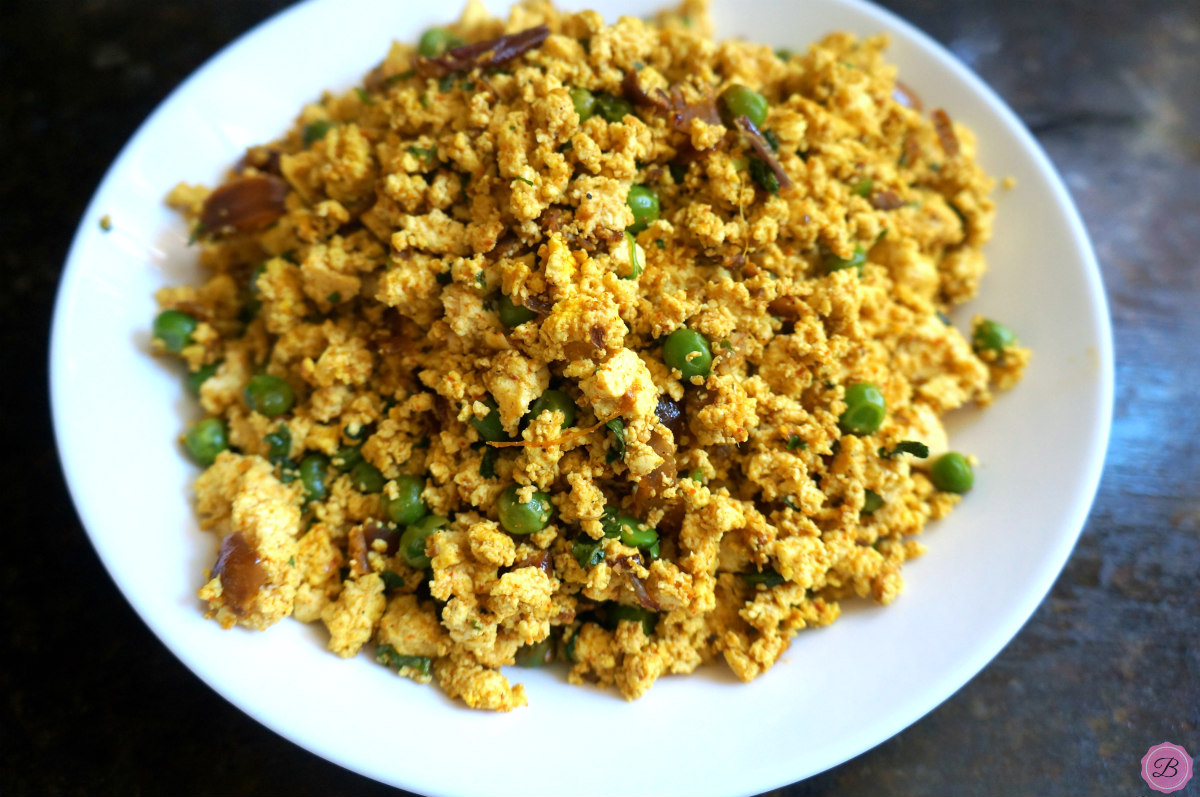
[[92, 702]]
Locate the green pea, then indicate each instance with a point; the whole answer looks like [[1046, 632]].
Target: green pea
[[553, 400], [403, 502], [201, 375], [871, 502], [436, 41], [992, 336], [205, 439], [347, 457], [535, 655], [688, 352], [269, 395], [513, 315], [489, 426], [527, 517], [634, 614], [865, 409], [314, 475], [585, 103], [952, 473], [366, 478], [613, 109], [634, 533], [644, 204], [174, 329], [412, 541], [737, 101]]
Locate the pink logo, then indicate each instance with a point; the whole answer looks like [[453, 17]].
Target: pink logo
[[1166, 767]]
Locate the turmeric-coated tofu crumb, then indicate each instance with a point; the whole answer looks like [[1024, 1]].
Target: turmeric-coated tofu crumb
[[615, 345]]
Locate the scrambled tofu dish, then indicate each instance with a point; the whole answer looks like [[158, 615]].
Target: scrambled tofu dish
[[612, 345]]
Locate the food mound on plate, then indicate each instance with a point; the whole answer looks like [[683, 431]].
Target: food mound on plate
[[607, 344]]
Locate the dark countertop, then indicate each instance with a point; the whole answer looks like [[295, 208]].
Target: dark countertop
[[1109, 664]]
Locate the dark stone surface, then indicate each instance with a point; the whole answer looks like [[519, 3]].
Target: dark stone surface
[[93, 703]]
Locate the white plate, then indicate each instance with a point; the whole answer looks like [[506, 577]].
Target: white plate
[[836, 693]]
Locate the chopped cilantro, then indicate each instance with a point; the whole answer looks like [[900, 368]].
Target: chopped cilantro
[[364, 96], [772, 139], [945, 319], [481, 280], [388, 657], [918, 450], [790, 504], [763, 175], [291, 561], [863, 187], [525, 180], [315, 131], [279, 443], [334, 297], [588, 554], [396, 78], [635, 262], [391, 579], [424, 99], [197, 231], [795, 442], [487, 465], [768, 578], [871, 501], [857, 260], [617, 449], [427, 154]]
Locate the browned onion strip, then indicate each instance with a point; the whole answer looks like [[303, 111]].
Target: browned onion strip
[[241, 572], [244, 204], [671, 103], [904, 95], [886, 200], [623, 566], [493, 52], [945, 132], [763, 150]]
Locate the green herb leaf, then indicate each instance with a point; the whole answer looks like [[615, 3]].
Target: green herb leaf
[[863, 187], [795, 441], [427, 154], [918, 450], [399, 76], [487, 465], [279, 443], [617, 450], [588, 554], [524, 180], [772, 139], [871, 501], [790, 504], [391, 579], [857, 260], [768, 578], [315, 131], [388, 657], [364, 96], [334, 297], [635, 262], [763, 175], [197, 231]]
